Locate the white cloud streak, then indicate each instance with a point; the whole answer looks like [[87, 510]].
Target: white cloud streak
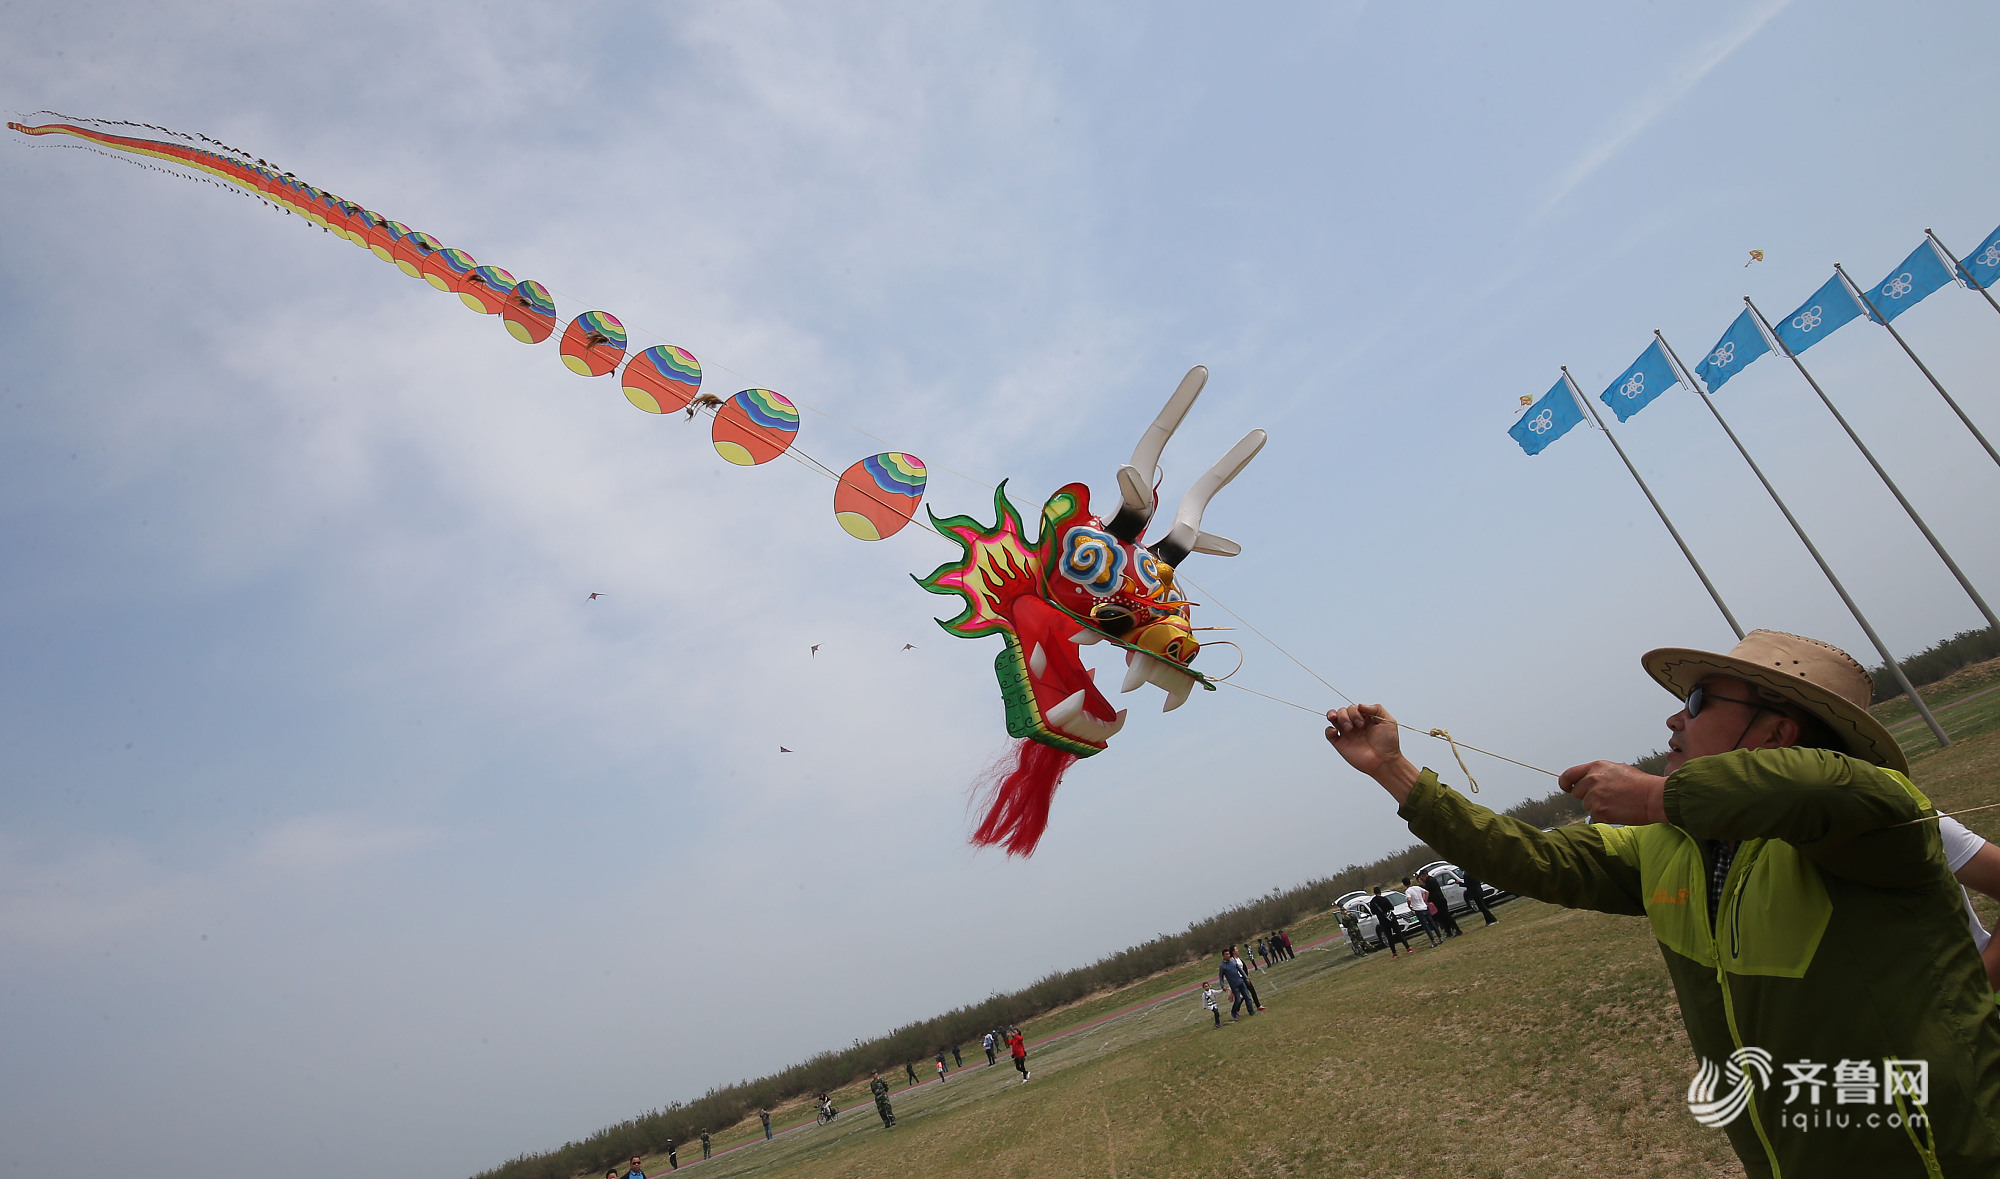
[[1657, 102]]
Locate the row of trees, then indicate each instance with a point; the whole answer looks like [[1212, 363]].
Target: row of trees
[[1935, 662], [649, 1133]]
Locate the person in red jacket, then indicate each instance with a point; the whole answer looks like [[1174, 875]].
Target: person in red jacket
[[1019, 1047]]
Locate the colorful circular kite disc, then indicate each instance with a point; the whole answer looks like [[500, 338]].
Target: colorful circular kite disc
[[485, 290], [662, 379], [376, 236], [756, 426], [879, 494], [529, 312], [594, 344], [445, 269], [405, 251]]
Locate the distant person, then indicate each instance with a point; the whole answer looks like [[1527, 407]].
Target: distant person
[[826, 1110], [1419, 899], [673, 1159], [764, 1116], [1018, 1047], [880, 1088], [704, 1144], [1262, 951], [1350, 926], [940, 1065], [1231, 975], [1251, 987], [1285, 939], [957, 1061], [988, 1044], [910, 1071], [1209, 992], [1386, 926], [1440, 906], [1475, 891]]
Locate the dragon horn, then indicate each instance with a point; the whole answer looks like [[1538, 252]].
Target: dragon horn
[[1135, 479], [1186, 535]]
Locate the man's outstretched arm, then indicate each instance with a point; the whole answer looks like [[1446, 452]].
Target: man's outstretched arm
[[1570, 866]]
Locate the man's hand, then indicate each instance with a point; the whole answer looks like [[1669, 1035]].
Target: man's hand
[[1367, 737], [1613, 792]]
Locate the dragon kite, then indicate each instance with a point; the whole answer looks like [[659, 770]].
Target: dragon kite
[[1081, 580]]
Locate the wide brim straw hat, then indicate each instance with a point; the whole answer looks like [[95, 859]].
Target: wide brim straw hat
[[1817, 677]]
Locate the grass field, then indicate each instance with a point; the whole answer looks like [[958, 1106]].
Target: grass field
[[1547, 1045]]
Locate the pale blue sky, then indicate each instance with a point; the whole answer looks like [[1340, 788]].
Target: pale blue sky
[[340, 833]]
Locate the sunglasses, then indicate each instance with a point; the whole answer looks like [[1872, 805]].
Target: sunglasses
[[1700, 696]]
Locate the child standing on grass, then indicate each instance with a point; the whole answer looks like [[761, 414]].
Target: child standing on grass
[[940, 1066], [1209, 1000], [991, 1043], [1019, 1047]]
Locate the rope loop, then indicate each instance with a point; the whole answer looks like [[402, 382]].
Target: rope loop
[[1467, 770]]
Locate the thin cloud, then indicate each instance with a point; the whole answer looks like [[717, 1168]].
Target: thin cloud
[[1662, 99]]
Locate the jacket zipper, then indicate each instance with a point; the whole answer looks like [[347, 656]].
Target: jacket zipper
[[1722, 982]]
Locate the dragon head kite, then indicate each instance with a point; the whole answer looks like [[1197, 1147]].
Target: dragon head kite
[[1081, 580]]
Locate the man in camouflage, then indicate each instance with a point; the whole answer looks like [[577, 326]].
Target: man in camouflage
[[880, 1088]]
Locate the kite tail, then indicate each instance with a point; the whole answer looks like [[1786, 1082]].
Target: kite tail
[[1018, 791]]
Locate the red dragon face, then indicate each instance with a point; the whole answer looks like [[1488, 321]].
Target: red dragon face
[[1085, 580]]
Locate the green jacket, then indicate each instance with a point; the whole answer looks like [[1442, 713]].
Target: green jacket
[[1841, 936], [880, 1088]]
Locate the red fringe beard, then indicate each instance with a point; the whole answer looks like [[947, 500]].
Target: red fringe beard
[[1017, 793]]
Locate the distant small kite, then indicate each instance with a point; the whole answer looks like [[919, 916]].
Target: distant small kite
[[593, 597], [909, 646], [1755, 256], [782, 749], [1527, 399], [815, 648]]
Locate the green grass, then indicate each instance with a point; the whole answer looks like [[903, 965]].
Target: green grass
[[1548, 1045]]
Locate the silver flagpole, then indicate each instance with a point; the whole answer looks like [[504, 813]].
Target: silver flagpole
[[1875, 313], [1962, 271], [1671, 530], [1963, 581], [1881, 648]]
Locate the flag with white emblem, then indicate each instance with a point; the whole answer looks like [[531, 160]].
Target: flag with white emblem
[[1552, 415], [1635, 388], [1907, 285], [1983, 263], [1740, 345], [1818, 317]]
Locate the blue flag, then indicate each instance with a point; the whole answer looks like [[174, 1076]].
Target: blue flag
[[1983, 263], [1908, 285], [1818, 317], [1635, 388], [1548, 419], [1741, 344]]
